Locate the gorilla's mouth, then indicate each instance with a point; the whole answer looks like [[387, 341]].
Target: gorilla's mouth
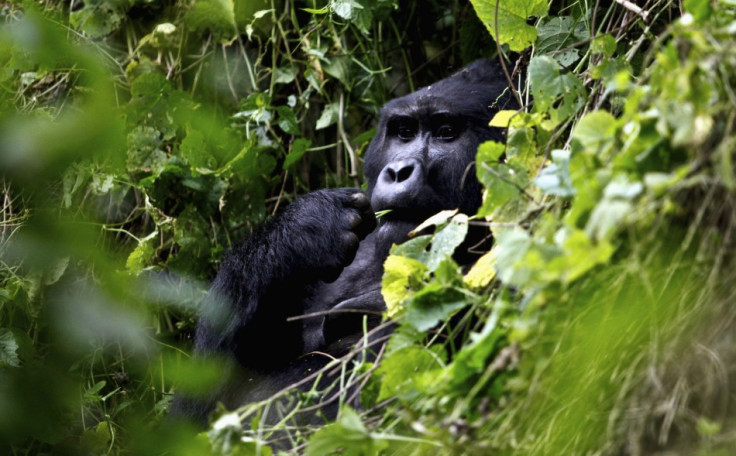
[[395, 226], [414, 215]]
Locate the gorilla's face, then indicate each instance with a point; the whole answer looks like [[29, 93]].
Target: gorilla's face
[[421, 159]]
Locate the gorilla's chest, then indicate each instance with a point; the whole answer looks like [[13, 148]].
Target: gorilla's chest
[[336, 313]]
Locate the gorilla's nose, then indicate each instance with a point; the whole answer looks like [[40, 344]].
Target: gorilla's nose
[[403, 171], [399, 185]]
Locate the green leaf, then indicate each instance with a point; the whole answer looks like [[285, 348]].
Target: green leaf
[[556, 94], [287, 121], [603, 44], [8, 349], [284, 75], [446, 240], [320, 11], [215, 16], [595, 132], [96, 440], [512, 20], [98, 19], [581, 255], [502, 184], [555, 178], [561, 32], [345, 8], [339, 67], [401, 369], [482, 272], [328, 116], [402, 278], [193, 149], [141, 256], [348, 435], [700, 9], [435, 302], [298, 149], [502, 119], [490, 151], [145, 150]]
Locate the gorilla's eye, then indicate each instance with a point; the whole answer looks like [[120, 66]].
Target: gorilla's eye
[[403, 127], [446, 133], [406, 132]]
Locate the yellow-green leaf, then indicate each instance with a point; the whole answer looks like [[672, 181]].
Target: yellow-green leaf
[[401, 278]]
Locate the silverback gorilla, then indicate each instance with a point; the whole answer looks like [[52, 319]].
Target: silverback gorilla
[[324, 253]]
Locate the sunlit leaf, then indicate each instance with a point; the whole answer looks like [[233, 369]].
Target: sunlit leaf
[[401, 279], [511, 19]]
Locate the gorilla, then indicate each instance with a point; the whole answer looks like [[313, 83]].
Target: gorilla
[[297, 291]]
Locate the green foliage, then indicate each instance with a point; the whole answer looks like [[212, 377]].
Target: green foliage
[[139, 137], [506, 20]]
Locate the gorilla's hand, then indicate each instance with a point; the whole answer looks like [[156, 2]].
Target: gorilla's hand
[[326, 227]]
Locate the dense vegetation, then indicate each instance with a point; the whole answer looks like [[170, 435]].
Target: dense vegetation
[[139, 140]]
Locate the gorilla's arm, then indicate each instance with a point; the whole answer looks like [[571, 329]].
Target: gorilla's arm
[[264, 280]]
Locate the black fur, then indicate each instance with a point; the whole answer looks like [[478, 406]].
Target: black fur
[[325, 251]]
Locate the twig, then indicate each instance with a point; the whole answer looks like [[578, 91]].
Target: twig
[[281, 193], [353, 173], [634, 9]]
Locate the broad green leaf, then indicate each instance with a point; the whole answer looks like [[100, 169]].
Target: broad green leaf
[[216, 16], [490, 151], [401, 369], [96, 440], [434, 303], [446, 240], [288, 121], [437, 219], [700, 9], [482, 272], [604, 44], [556, 94], [401, 279], [415, 248], [345, 8], [328, 116], [511, 246], [339, 67], [145, 150], [474, 357], [141, 256], [298, 149], [502, 119], [557, 37], [595, 132], [512, 20], [502, 185], [193, 149], [348, 435], [607, 218], [581, 255], [284, 75], [99, 18], [555, 178]]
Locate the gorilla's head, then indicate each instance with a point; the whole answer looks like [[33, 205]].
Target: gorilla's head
[[421, 160]]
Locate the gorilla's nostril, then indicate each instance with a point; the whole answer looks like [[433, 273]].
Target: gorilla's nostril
[[391, 174], [405, 173]]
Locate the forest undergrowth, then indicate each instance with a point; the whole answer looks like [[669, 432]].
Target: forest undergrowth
[[139, 140]]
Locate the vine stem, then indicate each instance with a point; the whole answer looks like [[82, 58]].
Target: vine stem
[[501, 57]]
